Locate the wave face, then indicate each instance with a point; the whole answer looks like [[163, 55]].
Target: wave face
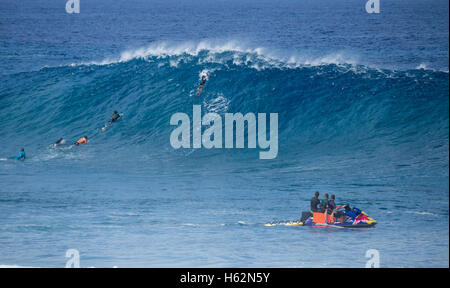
[[325, 107], [378, 139]]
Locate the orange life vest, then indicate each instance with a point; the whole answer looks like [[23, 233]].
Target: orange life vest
[[82, 140]]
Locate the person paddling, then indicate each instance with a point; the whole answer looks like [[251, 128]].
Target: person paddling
[[82, 140], [60, 141], [114, 117], [21, 155]]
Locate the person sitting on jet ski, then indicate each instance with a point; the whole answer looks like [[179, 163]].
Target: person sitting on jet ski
[[334, 209], [324, 203], [315, 202]]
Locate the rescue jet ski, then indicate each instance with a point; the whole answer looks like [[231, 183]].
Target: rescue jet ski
[[353, 218]]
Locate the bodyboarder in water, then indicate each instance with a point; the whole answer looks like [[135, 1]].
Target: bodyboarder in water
[[116, 116], [82, 140], [21, 155], [59, 142], [202, 84]]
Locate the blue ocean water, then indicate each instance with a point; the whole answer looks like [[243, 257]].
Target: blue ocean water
[[363, 113]]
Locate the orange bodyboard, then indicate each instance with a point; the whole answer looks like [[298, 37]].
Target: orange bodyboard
[[319, 217]]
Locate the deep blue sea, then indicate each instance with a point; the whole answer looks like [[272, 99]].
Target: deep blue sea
[[363, 113]]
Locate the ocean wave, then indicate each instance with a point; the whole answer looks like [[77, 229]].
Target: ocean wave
[[321, 107], [221, 52], [238, 53]]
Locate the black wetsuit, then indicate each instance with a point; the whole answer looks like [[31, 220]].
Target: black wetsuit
[[306, 214], [315, 202], [114, 118], [60, 141]]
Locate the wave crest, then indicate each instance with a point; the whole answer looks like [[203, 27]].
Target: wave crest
[[222, 52]]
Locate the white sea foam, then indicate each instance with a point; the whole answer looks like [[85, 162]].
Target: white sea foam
[[239, 54], [190, 224], [421, 213], [217, 105], [14, 266], [206, 73], [422, 66]]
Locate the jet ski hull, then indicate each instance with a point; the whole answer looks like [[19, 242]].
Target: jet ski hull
[[362, 220]]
